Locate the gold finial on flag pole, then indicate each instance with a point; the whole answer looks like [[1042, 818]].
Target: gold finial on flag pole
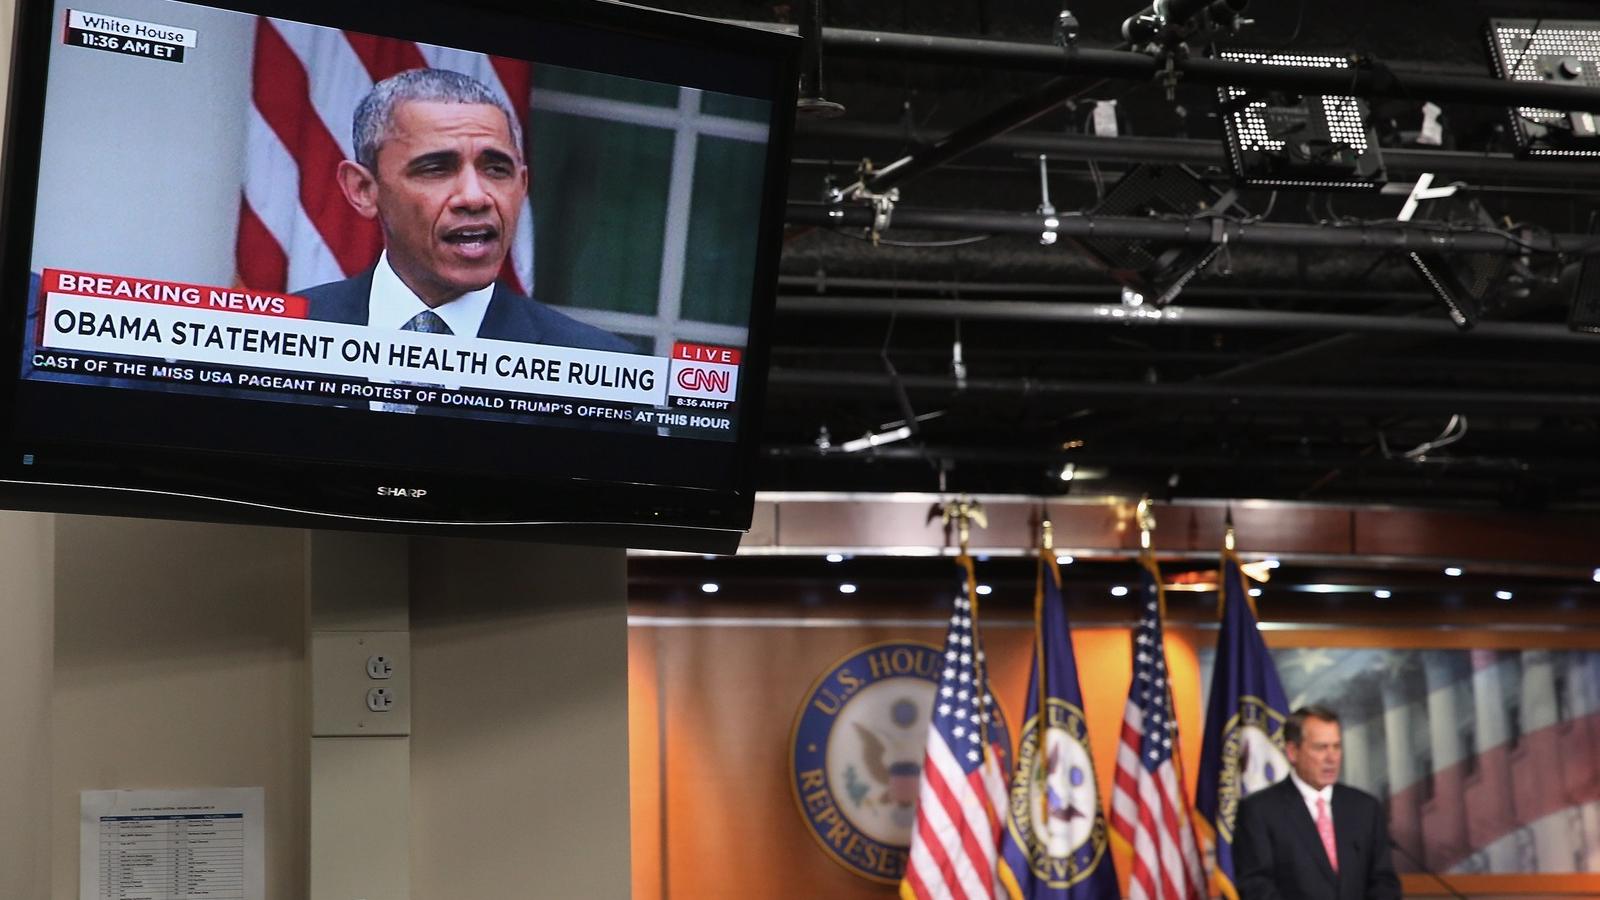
[[1227, 529], [1146, 517], [963, 511]]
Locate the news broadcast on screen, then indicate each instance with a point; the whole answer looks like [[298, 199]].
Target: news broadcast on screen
[[267, 211]]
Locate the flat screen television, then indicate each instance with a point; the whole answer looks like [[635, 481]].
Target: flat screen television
[[480, 268]]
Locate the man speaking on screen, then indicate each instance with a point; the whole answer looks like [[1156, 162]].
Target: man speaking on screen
[[439, 165]]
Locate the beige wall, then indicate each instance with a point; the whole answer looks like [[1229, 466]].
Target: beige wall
[[26, 548], [519, 729], [180, 662]]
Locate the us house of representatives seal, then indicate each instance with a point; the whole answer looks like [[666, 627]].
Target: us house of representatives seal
[[1252, 758], [856, 754], [1055, 793]]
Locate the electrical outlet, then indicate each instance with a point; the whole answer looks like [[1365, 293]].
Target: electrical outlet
[[380, 699], [379, 667], [346, 668]]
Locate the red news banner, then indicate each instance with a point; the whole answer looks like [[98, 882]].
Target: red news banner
[[174, 293], [144, 322]]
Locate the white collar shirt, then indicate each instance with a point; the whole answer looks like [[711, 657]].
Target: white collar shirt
[[391, 304], [1311, 795]]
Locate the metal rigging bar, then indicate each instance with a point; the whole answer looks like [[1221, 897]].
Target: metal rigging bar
[[1207, 230], [1374, 81]]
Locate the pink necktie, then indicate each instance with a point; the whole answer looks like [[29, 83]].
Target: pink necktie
[[1325, 831]]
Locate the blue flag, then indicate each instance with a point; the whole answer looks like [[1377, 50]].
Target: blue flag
[[1055, 840], [1243, 749]]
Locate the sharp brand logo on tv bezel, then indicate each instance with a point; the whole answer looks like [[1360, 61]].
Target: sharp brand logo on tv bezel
[[408, 493]]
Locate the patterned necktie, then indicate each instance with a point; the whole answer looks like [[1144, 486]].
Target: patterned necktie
[[427, 322], [1325, 831]]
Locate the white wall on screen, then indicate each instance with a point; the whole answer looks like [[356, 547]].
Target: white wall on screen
[[142, 159]]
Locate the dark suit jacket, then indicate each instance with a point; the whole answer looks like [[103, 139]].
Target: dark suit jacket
[[511, 316], [1277, 854]]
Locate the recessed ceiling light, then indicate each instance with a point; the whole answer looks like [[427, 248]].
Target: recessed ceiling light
[[1255, 592], [1453, 572], [1382, 594], [1119, 591], [710, 587], [1272, 563], [1064, 560], [835, 557], [1502, 595], [847, 588], [985, 590]]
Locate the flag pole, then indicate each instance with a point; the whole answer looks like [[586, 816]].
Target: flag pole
[[1047, 545], [963, 512]]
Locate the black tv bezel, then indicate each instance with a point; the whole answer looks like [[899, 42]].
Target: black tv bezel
[[235, 460]]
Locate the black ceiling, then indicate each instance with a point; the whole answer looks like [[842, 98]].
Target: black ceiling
[[1311, 372]]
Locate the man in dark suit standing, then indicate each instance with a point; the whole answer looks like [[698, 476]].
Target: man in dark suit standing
[[1307, 838], [439, 165]]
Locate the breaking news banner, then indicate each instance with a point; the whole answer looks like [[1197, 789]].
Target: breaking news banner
[[178, 334], [97, 31]]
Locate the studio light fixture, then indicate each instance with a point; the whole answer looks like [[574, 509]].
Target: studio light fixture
[[1549, 50], [1462, 282], [1153, 273], [876, 439], [1584, 313], [1283, 139]]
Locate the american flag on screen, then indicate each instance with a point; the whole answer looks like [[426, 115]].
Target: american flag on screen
[[295, 228], [962, 802], [1149, 807]]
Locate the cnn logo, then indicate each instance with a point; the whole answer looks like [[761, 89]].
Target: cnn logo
[[704, 381]]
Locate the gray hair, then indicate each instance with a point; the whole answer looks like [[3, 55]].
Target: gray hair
[[1294, 726], [375, 113]]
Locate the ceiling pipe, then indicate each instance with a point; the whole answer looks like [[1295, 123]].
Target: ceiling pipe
[[1009, 117], [1376, 81], [1366, 399], [823, 284], [1176, 460], [1414, 236], [1400, 162], [1182, 316]]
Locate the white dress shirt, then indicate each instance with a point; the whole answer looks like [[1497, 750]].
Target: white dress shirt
[[391, 304], [1311, 795]]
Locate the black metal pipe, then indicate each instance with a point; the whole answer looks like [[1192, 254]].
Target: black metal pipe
[[1415, 236], [811, 49], [1052, 458], [1360, 82], [1190, 394], [1008, 117], [1110, 292], [1179, 316], [1400, 162]]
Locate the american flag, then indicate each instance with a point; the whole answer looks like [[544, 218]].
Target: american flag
[[962, 800], [1149, 807], [295, 228]]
